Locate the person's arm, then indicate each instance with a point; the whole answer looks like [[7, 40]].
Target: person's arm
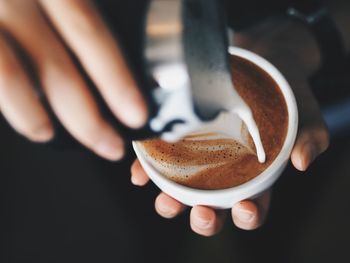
[[292, 49]]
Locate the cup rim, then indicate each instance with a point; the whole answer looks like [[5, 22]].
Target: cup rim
[[284, 153]]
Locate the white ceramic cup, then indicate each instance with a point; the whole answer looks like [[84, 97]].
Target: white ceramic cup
[[226, 198]]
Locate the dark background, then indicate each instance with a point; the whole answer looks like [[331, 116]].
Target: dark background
[[66, 205]]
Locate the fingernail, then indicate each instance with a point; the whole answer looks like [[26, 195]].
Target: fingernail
[[202, 223], [43, 134], [137, 117], [165, 210], [137, 121], [134, 181], [307, 156], [111, 150], [245, 215]]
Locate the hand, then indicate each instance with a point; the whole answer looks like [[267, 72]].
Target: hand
[[312, 137], [46, 31]]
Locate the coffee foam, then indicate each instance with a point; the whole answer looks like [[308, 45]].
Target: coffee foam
[[195, 154]]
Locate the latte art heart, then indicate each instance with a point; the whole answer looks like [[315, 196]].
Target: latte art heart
[[192, 155]]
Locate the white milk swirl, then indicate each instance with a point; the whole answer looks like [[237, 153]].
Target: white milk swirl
[[194, 154]]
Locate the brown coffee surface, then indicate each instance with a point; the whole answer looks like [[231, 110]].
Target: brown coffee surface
[[211, 161]]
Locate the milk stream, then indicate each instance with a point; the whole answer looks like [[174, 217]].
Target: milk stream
[[176, 97], [247, 117]]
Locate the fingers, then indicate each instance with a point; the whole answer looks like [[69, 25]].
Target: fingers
[[245, 215], [62, 84], [138, 174], [203, 220], [167, 206], [311, 142], [85, 32], [250, 214], [18, 101], [313, 135], [206, 221]]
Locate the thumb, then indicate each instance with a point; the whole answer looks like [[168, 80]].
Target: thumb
[[311, 142]]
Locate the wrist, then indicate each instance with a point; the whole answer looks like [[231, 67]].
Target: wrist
[[285, 43], [299, 51], [321, 25], [339, 11]]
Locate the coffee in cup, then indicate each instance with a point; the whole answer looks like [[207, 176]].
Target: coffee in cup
[[210, 168], [215, 161]]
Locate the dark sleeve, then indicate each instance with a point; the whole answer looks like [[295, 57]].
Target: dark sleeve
[[245, 13]]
